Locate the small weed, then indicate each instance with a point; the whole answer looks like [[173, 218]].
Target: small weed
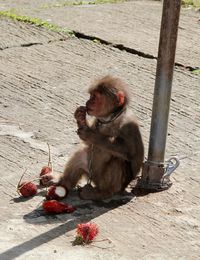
[[89, 2], [35, 21], [96, 41], [193, 3], [96, 2], [196, 71]]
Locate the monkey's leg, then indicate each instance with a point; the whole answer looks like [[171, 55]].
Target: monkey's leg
[[88, 192], [75, 168], [108, 182]]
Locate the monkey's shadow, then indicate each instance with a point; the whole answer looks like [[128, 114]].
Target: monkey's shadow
[[86, 210]]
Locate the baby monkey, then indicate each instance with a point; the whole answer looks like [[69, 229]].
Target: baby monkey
[[113, 150]]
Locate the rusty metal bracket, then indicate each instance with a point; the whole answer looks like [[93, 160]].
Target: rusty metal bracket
[[156, 176]]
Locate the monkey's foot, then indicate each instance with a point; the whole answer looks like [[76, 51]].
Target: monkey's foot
[[87, 192], [90, 193]]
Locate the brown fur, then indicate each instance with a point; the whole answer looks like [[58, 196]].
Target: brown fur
[[113, 152]]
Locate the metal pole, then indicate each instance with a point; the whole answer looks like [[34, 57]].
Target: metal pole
[[154, 169]]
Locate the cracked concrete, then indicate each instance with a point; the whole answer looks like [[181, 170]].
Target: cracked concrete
[[42, 84], [132, 24]]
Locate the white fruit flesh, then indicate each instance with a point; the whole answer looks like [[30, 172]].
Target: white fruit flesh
[[60, 191]]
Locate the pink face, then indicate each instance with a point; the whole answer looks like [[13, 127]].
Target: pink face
[[94, 104]]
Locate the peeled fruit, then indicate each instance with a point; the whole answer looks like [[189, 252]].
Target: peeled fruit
[[45, 170], [56, 207], [56, 192], [27, 189]]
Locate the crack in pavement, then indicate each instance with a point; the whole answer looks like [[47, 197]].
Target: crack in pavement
[[30, 44], [21, 45], [121, 47]]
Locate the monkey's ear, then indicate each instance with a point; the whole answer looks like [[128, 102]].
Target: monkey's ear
[[121, 98]]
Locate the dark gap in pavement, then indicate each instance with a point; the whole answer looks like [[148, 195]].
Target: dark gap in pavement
[[30, 44], [121, 47], [22, 45]]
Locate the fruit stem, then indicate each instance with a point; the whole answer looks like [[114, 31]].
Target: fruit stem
[[36, 179], [19, 187], [50, 164], [21, 179]]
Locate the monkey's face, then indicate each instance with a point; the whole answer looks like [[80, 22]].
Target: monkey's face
[[99, 105]]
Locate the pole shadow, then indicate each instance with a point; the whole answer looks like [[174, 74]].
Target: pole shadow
[[85, 212]]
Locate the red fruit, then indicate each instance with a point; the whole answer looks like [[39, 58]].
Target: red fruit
[[56, 207], [27, 189], [87, 231], [45, 170], [56, 192]]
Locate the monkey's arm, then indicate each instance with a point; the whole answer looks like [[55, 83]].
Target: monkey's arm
[[123, 146]]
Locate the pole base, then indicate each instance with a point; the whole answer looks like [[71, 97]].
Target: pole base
[[154, 178]]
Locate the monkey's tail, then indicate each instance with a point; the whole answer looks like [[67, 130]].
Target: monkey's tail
[[131, 172]]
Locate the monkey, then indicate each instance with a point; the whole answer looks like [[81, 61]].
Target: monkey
[[113, 151]]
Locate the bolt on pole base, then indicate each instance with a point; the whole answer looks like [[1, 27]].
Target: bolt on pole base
[[154, 178]]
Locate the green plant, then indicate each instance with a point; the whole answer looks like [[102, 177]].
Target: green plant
[[194, 3], [196, 71], [35, 21], [89, 2]]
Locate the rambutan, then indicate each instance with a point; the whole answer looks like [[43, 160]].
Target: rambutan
[[56, 207], [27, 189], [86, 232], [56, 192]]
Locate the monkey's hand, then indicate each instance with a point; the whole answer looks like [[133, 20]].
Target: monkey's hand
[[84, 132], [80, 116]]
